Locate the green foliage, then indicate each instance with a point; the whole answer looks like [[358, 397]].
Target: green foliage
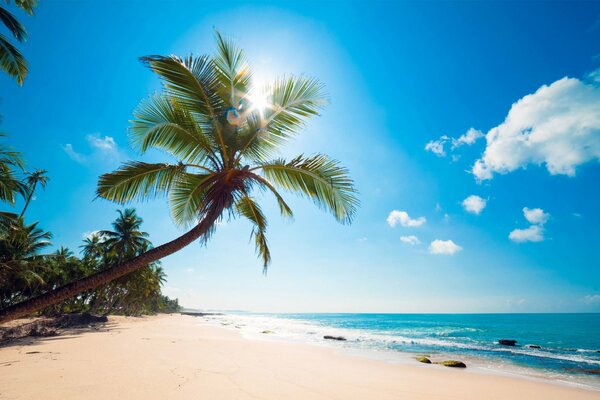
[[11, 60], [25, 272], [223, 144]]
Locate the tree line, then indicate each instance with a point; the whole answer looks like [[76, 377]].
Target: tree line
[[27, 270]]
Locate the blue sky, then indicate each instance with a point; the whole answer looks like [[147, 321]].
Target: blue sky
[[401, 78]]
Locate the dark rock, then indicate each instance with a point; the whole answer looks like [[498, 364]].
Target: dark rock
[[424, 360], [70, 320], [334, 337], [584, 371], [453, 364], [267, 331], [507, 342], [42, 332], [534, 346], [199, 314]]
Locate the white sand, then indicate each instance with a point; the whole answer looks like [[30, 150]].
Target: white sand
[[176, 357]]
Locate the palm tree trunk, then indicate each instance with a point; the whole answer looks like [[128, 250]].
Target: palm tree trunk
[[108, 275], [31, 191]]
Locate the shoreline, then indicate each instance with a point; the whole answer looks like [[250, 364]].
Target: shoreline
[[475, 363], [178, 356]]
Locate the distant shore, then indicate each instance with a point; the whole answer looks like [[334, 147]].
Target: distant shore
[[176, 356]]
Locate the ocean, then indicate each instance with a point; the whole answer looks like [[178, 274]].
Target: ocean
[[569, 344]]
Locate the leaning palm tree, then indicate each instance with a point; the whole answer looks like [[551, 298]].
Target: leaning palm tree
[[11, 60], [207, 118], [32, 180]]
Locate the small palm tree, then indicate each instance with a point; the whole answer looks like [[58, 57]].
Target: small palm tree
[[126, 240], [93, 246], [10, 185], [20, 261], [32, 180], [11, 60], [207, 118]]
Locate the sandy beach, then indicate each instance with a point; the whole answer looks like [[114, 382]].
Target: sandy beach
[[176, 356]]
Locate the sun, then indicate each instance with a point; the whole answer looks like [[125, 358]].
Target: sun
[[259, 100]]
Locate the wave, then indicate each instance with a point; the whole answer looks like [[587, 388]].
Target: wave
[[422, 339]]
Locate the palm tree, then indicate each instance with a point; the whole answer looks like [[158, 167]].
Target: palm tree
[[126, 240], [20, 261], [10, 185], [37, 177], [207, 118], [93, 246], [11, 60]]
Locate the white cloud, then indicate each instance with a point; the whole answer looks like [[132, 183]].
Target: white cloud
[[474, 204], [401, 217], [468, 138], [592, 299], [362, 239], [437, 146], [102, 147], [105, 144], [412, 240], [89, 234], [189, 270], [444, 247], [535, 233], [535, 215], [75, 156], [557, 126]]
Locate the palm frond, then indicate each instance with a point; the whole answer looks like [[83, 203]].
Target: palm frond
[[158, 123], [188, 197], [138, 181], [248, 208], [293, 100], [12, 61], [27, 5], [191, 80], [233, 73], [284, 209], [319, 178], [13, 25]]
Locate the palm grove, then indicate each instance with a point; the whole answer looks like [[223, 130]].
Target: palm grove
[[224, 152]]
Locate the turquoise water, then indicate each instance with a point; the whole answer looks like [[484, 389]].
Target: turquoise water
[[569, 343]]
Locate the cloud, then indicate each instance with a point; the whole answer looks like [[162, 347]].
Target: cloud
[[75, 156], [474, 204], [106, 144], [437, 146], [362, 239], [535, 233], [444, 247], [557, 126], [401, 217], [468, 138], [535, 215], [592, 299], [412, 240], [102, 147], [89, 234]]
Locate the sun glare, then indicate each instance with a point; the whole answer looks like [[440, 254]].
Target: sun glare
[[259, 100]]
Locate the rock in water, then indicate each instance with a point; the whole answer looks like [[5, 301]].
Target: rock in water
[[534, 346], [334, 337], [507, 342], [453, 364]]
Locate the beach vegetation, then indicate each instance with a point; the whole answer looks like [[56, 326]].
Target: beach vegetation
[[224, 135]]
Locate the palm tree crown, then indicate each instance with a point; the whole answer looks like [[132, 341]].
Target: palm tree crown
[[224, 144]]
